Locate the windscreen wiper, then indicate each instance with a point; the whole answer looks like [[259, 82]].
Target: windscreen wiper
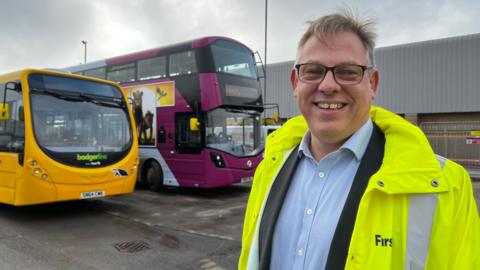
[[115, 103], [55, 93], [72, 96]]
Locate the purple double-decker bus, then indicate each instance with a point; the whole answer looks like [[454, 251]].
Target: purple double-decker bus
[[197, 109]]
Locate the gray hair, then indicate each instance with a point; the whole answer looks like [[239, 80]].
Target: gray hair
[[342, 21]]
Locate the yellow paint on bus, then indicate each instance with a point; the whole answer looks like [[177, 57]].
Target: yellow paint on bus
[[66, 137]]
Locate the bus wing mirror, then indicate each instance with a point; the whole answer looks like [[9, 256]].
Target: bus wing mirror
[[194, 124], [13, 86], [4, 111]]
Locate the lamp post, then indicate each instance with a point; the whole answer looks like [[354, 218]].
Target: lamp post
[[265, 57], [84, 42]]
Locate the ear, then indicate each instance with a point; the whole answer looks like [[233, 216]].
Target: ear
[[294, 81], [374, 81]]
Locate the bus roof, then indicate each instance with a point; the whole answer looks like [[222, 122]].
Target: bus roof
[[19, 74], [126, 58]]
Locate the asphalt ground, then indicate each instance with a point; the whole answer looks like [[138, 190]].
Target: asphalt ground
[[181, 229], [174, 229]]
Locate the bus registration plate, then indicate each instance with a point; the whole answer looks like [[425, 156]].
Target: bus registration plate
[[92, 194], [246, 179]]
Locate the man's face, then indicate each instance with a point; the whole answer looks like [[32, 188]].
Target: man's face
[[333, 111]]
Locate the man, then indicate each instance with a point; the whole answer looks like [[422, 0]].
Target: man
[[349, 185]]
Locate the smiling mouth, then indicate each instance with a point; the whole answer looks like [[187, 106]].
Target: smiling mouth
[[331, 106]]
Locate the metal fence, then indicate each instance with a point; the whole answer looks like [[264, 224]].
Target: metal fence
[[458, 141]]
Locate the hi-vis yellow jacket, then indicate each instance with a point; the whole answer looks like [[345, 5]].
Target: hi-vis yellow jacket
[[422, 202]]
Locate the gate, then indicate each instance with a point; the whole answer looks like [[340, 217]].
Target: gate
[[458, 141]]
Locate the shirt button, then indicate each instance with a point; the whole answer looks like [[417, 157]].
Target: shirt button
[[300, 252], [309, 211], [321, 174]]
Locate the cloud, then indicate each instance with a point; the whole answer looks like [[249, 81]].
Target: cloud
[[424, 20], [48, 33], [36, 35]]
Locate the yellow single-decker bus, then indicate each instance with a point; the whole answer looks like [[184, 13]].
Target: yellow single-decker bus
[[64, 137]]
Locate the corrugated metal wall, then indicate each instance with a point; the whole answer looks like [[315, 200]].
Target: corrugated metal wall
[[279, 90], [431, 76], [436, 83], [425, 77]]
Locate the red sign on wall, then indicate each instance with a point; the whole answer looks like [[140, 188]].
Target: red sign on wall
[[473, 140]]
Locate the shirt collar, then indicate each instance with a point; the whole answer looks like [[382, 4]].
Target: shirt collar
[[357, 143]]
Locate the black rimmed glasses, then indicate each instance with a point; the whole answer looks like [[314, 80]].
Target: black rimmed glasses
[[345, 74]]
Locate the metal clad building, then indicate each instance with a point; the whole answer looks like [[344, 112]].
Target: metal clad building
[[435, 84], [279, 90], [433, 76]]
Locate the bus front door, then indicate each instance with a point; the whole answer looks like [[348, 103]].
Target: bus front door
[[8, 172]]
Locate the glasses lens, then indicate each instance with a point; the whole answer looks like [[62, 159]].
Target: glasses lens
[[348, 74], [311, 72]]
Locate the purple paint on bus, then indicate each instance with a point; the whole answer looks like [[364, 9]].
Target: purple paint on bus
[[201, 42], [237, 169], [129, 84], [156, 51], [241, 163], [212, 98], [196, 43], [133, 56], [205, 41], [200, 171], [192, 165]]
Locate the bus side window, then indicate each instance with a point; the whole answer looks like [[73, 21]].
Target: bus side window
[[182, 63], [152, 68], [12, 130], [96, 73], [121, 73], [186, 139]]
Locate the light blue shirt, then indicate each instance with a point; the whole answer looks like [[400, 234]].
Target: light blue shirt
[[313, 204]]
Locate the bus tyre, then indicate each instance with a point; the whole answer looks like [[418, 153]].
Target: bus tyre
[[154, 176]]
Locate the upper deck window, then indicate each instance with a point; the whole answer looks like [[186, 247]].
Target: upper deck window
[[182, 63], [121, 73], [233, 58], [96, 73], [152, 68]]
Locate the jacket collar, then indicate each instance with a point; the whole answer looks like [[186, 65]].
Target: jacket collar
[[409, 163], [287, 136]]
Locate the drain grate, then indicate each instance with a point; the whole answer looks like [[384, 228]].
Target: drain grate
[[132, 246]]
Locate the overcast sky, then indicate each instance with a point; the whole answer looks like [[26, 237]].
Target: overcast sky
[[48, 33]]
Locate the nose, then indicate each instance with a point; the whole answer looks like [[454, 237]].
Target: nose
[[329, 85]]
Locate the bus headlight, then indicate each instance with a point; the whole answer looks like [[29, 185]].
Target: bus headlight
[[217, 159], [135, 165], [37, 170]]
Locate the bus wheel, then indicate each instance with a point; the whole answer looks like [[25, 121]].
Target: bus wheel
[[154, 176]]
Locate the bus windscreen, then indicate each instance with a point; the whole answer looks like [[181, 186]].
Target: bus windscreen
[[73, 85], [76, 127], [233, 58]]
